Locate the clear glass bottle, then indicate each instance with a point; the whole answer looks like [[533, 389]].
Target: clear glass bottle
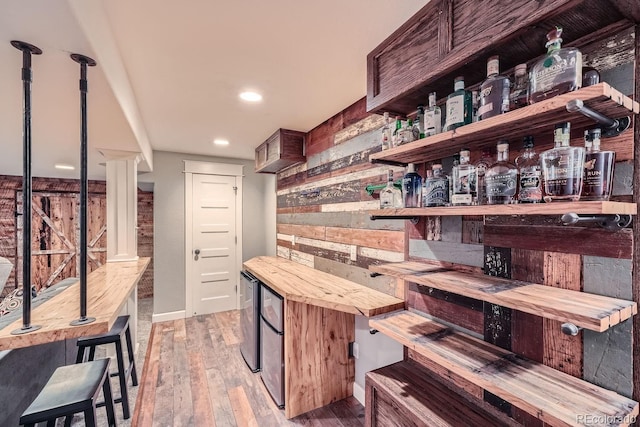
[[386, 133], [395, 138], [475, 104], [390, 196], [406, 133], [464, 181], [459, 107], [412, 188], [560, 71], [562, 167], [598, 168], [482, 164], [454, 164], [432, 117], [436, 188], [419, 122], [520, 91], [590, 76], [528, 164], [494, 91], [501, 179]]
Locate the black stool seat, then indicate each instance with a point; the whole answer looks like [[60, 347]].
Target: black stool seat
[[70, 390], [114, 336]]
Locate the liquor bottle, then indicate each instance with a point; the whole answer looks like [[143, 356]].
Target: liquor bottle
[[419, 122], [528, 163], [520, 92], [482, 164], [454, 164], [436, 189], [390, 196], [590, 76], [386, 133], [432, 117], [464, 181], [560, 71], [598, 168], [412, 188], [475, 104], [562, 167], [501, 179], [459, 106], [395, 138], [406, 133], [494, 91]]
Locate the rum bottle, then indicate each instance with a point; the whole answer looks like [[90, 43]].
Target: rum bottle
[[464, 181], [390, 196], [482, 164], [432, 117], [598, 168], [520, 92], [459, 106], [494, 91], [501, 179], [412, 188], [436, 188], [560, 71], [386, 133], [562, 167], [528, 163]]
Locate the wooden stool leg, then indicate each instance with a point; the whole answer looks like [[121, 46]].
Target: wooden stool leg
[[123, 381], [108, 402], [132, 362], [90, 417]]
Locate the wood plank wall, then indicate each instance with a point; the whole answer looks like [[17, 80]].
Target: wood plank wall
[[55, 228]]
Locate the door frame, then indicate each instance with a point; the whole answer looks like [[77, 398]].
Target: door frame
[[192, 167]]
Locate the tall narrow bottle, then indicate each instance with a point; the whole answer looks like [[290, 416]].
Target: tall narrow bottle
[[386, 133], [528, 163], [519, 96], [432, 117], [464, 181], [482, 165], [395, 137], [412, 188], [390, 196], [459, 106], [419, 122], [562, 167], [560, 71], [501, 179], [494, 91], [598, 168], [436, 188]]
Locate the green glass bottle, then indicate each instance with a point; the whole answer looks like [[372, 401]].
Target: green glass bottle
[[459, 107]]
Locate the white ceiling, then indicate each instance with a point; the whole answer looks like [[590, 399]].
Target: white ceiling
[[169, 73]]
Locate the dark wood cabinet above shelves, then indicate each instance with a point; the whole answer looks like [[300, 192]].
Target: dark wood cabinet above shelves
[[283, 149]]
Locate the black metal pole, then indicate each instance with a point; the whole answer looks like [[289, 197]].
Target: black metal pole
[[84, 61], [27, 50]]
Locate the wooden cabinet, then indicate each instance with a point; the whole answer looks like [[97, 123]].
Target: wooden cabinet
[[283, 149]]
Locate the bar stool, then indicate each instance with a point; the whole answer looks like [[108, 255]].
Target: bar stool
[[114, 336], [70, 390]]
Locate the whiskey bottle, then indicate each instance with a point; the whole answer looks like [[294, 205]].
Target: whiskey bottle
[[432, 117], [528, 164], [436, 188], [482, 164], [494, 91], [501, 179], [459, 106], [562, 167], [598, 168], [386, 133], [560, 71], [419, 122], [390, 196], [520, 92], [412, 188], [464, 181]]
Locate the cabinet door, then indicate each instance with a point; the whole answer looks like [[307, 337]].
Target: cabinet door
[[261, 155], [273, 148]]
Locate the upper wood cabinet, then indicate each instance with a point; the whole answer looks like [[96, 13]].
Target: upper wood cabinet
[[283, 149], [447, 38]]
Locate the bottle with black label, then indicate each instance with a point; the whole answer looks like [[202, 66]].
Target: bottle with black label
[[562, 167], [436, 188], [528, 163], [501, 179], [412, 188], [598, 168]]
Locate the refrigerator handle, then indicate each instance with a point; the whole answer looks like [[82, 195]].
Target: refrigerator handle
[[266, 322]]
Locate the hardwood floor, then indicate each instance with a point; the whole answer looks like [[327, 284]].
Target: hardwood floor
[[194, 375]]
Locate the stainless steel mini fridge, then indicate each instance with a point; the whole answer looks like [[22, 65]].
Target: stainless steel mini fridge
[[272, 343], [250, 320]]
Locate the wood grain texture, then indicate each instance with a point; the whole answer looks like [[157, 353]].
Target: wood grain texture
[[299, 283], [448, 311], [108, 288], [587, 310], [530, 386], [635, 286], [145, 401], [380, 239]]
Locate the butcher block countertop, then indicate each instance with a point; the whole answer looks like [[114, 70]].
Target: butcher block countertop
[[297, 282], [108, 288]]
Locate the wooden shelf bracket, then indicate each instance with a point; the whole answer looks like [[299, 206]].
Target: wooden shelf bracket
[[613, 222], [610, 127]]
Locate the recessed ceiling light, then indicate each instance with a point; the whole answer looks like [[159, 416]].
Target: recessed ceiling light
[[221, 142], [250, 96], [64, 166]]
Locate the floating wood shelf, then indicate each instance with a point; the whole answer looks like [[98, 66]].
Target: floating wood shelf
[[584, 310], [550, 395], [553, 208], [514, 124]]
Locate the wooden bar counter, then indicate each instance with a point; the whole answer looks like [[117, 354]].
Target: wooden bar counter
[[108, 289], [319, 324]]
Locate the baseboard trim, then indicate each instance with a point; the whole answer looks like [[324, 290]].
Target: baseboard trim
[[172, 315], [358, 393]]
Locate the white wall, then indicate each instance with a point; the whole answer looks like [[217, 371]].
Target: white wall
[[258, 221]]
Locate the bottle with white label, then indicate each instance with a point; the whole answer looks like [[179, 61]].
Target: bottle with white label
[[432, 117], [464, 182], [459, 107], [494, 92]]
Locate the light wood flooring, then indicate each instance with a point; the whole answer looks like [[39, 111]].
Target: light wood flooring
[[194, 375]]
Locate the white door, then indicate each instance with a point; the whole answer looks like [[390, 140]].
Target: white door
[[214, 277]]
